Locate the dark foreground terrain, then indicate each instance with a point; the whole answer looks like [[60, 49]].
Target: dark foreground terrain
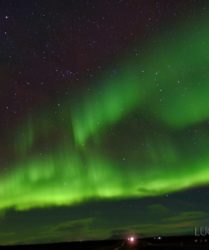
[[160, 243]]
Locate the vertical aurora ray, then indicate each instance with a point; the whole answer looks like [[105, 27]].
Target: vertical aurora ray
[[108, 105], [69, 178]]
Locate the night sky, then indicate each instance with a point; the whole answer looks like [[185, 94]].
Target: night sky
[[104, 119]]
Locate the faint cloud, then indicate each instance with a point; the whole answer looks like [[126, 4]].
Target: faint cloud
[[73, 225], [158, 208], [188, 216], [70, 230]]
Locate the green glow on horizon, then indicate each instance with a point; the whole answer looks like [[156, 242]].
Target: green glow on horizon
[[42, 183], [171, 86]]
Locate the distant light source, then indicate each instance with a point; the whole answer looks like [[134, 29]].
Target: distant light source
[[131, 239]]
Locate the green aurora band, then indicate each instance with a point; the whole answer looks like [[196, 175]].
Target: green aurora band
[[169, 84]]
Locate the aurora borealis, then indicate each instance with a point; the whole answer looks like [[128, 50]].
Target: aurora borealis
[[128, 138]]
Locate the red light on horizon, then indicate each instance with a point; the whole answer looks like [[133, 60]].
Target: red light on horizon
[[131, 240]]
